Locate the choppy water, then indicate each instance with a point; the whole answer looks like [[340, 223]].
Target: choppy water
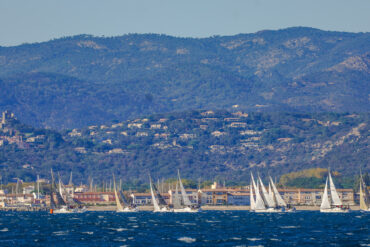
[[211, 228]]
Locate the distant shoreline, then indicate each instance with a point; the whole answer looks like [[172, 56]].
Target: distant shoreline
[[213, 208]]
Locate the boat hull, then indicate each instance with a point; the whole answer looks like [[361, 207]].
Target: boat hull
[[164, 210], [268, 210], [334, 210], [187, 210], [128, 210]]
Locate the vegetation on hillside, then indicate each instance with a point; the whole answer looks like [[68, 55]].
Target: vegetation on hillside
[[85, 80], [206, 145]]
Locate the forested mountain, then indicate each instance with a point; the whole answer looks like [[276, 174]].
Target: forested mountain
[[83, 80], [221, 145]]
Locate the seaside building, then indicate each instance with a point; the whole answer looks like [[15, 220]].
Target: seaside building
[[95, 197]]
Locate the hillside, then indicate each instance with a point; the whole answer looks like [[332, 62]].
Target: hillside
[[84, 80], [223, 145]]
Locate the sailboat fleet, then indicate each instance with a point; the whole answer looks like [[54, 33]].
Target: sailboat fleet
[[263, 201], [126, 207], [181, 204], [64, 202]]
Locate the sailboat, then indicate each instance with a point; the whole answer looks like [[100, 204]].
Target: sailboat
[[280, 203], [120, 208], [160, 205], [258, 205], [334, 205], [268, 201], [184, 205], [61, 206], [364, 199]]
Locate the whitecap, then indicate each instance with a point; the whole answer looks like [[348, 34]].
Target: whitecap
[[4, 230], [120, 239], [60, 233], [100, 216], [131, 238], [188, 224], [289, 227], [120, 229], [187, 240], [254, 239], [211, 221], [349, 233], [275, 239], [358, 216], [89, 233], [235, 238]]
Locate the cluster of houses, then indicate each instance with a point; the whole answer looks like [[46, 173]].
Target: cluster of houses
[[206, 196], [159, 130]]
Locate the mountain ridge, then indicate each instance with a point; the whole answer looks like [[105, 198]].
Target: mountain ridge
[[296, 69]]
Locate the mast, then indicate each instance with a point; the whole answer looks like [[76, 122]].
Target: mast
[[38, 187]]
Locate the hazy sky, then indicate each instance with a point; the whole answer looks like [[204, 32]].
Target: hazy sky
[[41, 20]]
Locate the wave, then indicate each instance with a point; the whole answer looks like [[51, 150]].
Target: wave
[[187, 240]]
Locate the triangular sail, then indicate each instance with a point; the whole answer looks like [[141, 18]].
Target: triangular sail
[[363, 196], [269, 203], [119, 206], [154, 201], [254, 182], [253, 203], [185, 198], [161, 200], [176, 198], [325, 204], [260, 205], [333, 192], [279, 200], [123, 197]]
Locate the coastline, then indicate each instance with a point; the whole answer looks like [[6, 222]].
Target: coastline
[[212, 208]]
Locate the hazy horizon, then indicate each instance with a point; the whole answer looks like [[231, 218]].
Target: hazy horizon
[[24, 21]]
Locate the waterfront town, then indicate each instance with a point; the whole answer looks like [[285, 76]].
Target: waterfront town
[[29, 197]]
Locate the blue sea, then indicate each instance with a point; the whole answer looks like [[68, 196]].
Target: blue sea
[[209, 228]]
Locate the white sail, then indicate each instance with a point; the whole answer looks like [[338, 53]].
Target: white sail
[[325, 204], [260, 205], [363, 196], [272, 195], [253, 203], [269, 203], [279, 200], [119, 206], [176, 198], [333, 192], [185, 198], [60, 188], [254, 182], [154, 201]]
